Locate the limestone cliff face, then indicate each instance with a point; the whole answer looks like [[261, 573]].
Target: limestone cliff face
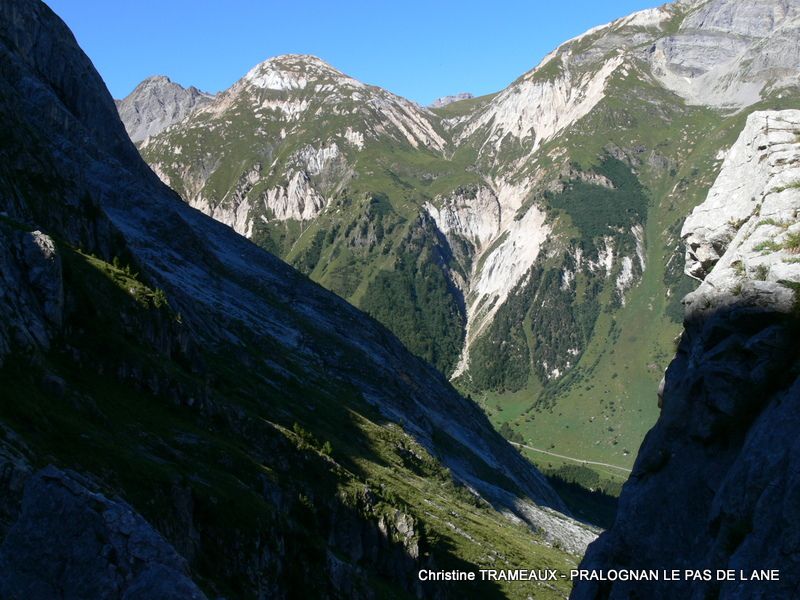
[[739, 242], [729, 53], [715, 485]]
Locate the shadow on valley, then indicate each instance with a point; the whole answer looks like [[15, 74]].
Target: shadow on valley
[[722, 457], [597, 507]]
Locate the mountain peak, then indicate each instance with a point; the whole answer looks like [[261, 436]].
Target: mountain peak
[[293, 72], [307, 59], [155, 104], [445, 100], [156, 79], [163, 81]]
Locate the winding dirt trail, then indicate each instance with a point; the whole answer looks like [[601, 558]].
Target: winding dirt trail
[[572, 458]]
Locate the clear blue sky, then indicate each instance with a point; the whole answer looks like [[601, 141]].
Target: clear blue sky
[[420, 49]]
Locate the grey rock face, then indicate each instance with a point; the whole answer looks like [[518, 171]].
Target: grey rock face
[[44, 273], [747, 19], [15, 470], [738, 242], [727, 53], [445, 100], [715, 485], [31, 294], [53, 51], [155, 104], [72, 542]]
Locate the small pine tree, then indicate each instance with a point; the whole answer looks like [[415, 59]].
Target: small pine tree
[[160, 298]]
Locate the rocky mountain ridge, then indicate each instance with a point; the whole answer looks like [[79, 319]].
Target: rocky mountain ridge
[[445, 100], [570, 83]]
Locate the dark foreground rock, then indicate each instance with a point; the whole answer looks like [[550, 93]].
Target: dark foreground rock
[[72, 542]]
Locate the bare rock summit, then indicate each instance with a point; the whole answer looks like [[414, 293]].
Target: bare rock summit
[[155, 104]]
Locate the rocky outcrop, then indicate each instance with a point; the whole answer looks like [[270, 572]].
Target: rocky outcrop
[[32, 295], [155, 104], [445, 100], [471, 213], [715, 482], [739, 242], [298, 200], [105, 549]]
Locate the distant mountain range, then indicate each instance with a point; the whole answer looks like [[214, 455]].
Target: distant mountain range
[[555, 204]]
